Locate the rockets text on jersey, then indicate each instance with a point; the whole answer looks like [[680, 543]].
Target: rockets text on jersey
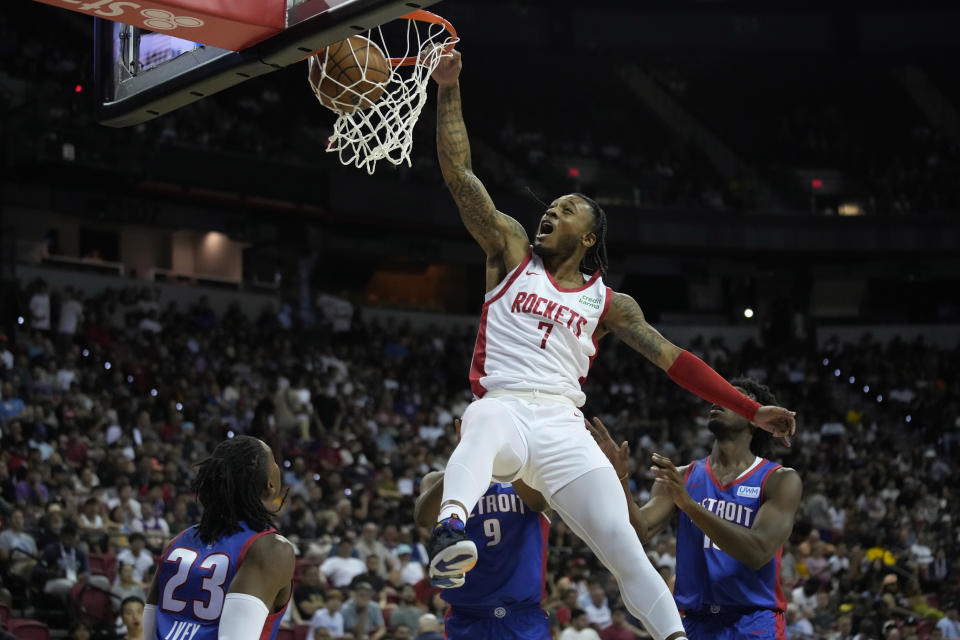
[[536, 335]]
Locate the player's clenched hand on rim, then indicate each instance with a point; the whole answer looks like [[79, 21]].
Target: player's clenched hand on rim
[[448, 71]]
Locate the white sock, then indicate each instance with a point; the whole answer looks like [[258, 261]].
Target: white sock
[[449, 510]]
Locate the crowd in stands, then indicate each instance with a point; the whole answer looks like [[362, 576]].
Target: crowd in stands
[[108, 400], [778, 114]]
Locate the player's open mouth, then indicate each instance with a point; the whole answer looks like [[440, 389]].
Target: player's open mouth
[[546, 228]]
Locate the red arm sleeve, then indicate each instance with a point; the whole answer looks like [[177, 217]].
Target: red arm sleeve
[[696, 376]]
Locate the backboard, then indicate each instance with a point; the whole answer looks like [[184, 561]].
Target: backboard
[[141, 73]]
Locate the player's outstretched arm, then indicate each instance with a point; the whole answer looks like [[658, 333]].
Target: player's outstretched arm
[[754, 546], [652, 517], [260, 586], [626, 320], [498, 234]]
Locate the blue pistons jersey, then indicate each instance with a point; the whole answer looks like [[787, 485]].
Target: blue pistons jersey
[[194, 578], [706, 576], [511, 544]]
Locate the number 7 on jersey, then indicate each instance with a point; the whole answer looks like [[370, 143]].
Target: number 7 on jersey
[[546, 334]]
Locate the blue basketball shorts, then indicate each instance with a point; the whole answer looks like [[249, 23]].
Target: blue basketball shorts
[[760, 624], [529, 623]]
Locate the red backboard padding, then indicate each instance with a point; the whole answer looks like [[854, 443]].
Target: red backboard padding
[[227, 24]]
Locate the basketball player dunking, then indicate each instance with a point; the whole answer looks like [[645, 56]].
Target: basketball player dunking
[[538, 335], [737, 511]]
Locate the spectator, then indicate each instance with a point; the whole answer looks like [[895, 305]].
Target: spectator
[[619, 629], [17, 547], [91, 522], [328, 617], [308, 596], [411, 571], [429, 628], [371, 576], [844, 629], [949, 624], [566, 606], [63, 564], [579, 629], [361, 616], [126, 585], [11, 405], [343, 567], [368, 544], [156, 530], [597, 610], [40, 308], [71, 312], [137, 557], [408, 612], [798, 626], [131, 612]]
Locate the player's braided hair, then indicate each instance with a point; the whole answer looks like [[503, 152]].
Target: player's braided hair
[[762, 441], [229, 484], [596, 258]]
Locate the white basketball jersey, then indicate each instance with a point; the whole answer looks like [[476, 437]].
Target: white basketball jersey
[[537, 335]]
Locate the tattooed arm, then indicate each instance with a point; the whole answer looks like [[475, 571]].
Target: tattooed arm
[[626, 321], [501, 236]]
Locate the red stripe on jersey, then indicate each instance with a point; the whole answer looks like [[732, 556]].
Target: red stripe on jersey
[[477, 366], [724, 487], [250, 541], [272, 622], [690, 468], [777, 589], [590, 281], [780, 625], [545, 532], [446, 617], [763, 484]]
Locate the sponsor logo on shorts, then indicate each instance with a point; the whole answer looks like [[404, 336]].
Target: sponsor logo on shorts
[[587, 301], [500, 612], [748, 492]]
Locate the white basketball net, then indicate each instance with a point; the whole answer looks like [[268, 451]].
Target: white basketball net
[[383, 130]]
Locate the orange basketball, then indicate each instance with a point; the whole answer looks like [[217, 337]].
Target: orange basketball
[[348, 74]]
